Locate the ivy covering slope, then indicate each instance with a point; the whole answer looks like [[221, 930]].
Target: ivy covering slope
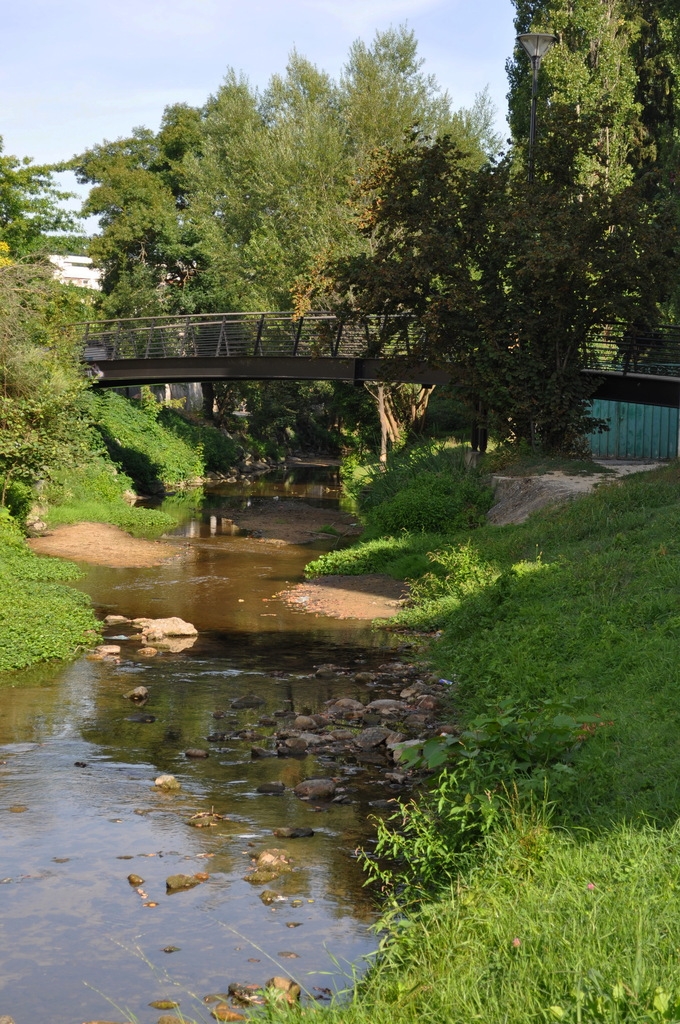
[[40, 617]]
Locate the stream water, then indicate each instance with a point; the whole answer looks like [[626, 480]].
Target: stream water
[[79, 811]]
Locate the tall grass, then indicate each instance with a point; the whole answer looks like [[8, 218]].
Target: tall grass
[[548, 927]]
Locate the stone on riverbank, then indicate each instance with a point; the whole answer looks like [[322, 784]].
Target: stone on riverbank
[[290, 990], [114, 620]]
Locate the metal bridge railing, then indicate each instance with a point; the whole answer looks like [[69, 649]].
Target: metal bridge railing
[[618, 348], [244, 334], [623, 348]]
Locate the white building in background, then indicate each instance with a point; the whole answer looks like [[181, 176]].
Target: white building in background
[[78, 270]]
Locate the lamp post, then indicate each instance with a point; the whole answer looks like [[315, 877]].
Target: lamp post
[[536, 45]]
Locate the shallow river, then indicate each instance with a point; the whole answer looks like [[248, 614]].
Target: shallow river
[[79, 811]]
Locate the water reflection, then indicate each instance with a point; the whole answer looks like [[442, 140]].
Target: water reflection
[[73, 931]]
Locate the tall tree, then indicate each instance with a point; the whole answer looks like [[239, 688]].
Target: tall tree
[[30, 206], [616, 64], [505, 299], [147, 244]]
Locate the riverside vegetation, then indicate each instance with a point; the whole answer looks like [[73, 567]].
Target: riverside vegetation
[[536, 877]]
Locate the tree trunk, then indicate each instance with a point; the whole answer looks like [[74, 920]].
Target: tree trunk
[[208, 389]]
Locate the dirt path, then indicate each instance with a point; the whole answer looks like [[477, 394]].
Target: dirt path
[[518, 496], [101, 544], [372, 596]]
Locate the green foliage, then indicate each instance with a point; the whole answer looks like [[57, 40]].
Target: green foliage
[[40, 380], [507, 757], [30, 205], [433, 503], [226, 207], [283, 415], [424, 846], [40, 618], [617, 64], [402, 557], [218, 452], [141, 445], [507, 297], [94, 493]]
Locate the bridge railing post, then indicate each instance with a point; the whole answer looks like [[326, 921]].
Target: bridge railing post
[[335, 346], [298, 335], [149, 338], [222, 335], [258, 339]]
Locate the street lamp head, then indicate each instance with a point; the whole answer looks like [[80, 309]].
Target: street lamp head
[[537, 44]]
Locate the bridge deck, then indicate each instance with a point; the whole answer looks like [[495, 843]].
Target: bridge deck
[[320, 346]]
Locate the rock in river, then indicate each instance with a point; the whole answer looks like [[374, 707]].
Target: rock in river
[[315, 789], [157, 629], [138, 695], [289, 989], [176, 883], [304, 722], [274, 860], [293, 833], [106, 650], [275, 788], [386, 707], [167, 782], [195, 752], [224, 1012], [251, 700], [371, 737]]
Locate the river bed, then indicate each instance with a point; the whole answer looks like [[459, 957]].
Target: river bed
[[79, 811]]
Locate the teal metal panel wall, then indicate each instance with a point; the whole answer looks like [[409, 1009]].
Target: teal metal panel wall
[[635, 431]]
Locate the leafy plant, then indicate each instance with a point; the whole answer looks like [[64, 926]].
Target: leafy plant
[[509, 756]]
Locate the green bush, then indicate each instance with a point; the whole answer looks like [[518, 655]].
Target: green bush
[[401, 557], [433, 503]]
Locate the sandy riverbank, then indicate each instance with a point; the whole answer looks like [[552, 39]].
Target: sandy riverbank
[[102, 544]]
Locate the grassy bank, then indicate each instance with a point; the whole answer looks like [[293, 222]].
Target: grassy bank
[[581, 602], [548, 928], [577, 920], [40, 617]]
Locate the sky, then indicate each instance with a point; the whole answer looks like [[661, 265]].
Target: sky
[[75, 72]]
